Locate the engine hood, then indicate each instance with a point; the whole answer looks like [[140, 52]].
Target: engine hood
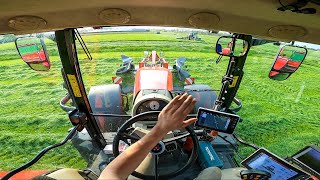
[[153, 78]]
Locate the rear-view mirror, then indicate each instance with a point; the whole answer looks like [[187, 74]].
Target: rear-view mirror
[[287, 62], [231, 47], [33, 52]]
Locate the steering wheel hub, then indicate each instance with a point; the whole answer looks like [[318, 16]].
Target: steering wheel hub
[[158, 149]]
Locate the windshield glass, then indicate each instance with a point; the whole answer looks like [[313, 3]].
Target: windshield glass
[[31, 118], [269, 106], [122, 79], [124, 56]]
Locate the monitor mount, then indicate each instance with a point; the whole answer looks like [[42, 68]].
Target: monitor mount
[[297, 7]]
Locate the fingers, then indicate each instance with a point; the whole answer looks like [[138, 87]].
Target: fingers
[[176, 102], [171, 103], [184, 105], [188, 106], [174, 114], [189, 122], [186, 102]]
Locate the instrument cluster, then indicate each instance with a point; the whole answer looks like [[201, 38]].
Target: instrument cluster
[[151, 105]]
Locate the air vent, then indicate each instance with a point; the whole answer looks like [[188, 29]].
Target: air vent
[[287, 32], [23, 23], [115, 16], [204, 20]]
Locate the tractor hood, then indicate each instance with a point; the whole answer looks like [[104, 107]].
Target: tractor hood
[[153, 78]]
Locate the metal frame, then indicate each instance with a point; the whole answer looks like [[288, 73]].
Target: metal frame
[[235, 69], [72, 76]]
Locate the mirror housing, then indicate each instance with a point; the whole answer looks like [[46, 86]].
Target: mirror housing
[[231, 46], [287, 62], [32, 51]]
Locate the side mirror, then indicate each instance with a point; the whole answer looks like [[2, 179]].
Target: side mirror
[[33, 52], [287, 62], [231, 47]]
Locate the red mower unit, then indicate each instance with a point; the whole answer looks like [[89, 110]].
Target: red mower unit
[[152, 83]]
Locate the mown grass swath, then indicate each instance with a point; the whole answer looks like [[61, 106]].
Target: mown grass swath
[[281, 116]]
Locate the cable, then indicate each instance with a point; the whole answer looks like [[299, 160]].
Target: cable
[[38, 156], [225, 139], [235, 148], [244, 142], [281, 4]]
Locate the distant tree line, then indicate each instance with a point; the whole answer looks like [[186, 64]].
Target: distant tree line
[[7, 38], [11, 37]]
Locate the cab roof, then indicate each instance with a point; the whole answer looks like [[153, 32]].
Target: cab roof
[[259, 18]]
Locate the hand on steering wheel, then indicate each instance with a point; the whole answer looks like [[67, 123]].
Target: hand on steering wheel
[[172, 117], [124, 135]]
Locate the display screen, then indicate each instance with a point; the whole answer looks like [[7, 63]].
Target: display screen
[[266, 163], [311, 158], [278, 168], [216, 120]]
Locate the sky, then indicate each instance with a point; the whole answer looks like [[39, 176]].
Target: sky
[[308, 45]]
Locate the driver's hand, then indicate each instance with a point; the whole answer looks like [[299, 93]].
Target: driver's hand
[[174, 114]]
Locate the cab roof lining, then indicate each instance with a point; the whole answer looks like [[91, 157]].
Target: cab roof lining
[[255, 17]]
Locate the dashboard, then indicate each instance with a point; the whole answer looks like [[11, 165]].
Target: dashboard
[[151, 105]]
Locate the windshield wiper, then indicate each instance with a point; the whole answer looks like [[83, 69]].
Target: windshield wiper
[[83, 45]]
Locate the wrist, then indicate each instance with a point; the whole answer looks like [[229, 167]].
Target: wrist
[[160, 130]]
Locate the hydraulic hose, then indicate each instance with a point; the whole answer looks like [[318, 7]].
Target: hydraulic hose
[[238, 103], [64, 101]]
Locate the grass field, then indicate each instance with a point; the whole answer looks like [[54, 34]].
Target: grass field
[[281, 116]]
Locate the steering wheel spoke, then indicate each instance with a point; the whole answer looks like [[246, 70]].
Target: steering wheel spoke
[[125, 135], [176, 138], [156, 172]]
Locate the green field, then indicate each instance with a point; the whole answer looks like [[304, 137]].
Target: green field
[[281, 116]]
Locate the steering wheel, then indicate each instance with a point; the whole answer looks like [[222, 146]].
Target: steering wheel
[[123, 135]]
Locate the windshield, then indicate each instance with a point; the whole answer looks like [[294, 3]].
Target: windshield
[[266, 103], [279, 115], [124, 57]]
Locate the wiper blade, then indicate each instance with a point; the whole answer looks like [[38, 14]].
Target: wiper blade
[[83, 45]]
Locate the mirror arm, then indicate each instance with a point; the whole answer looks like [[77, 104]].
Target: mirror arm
[[226, 81], [220, 98], [219, 59], [234, 37], [228, 75]]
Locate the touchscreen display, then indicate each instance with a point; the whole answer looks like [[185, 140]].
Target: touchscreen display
[[216, 120], [311, 158], [278, 171]]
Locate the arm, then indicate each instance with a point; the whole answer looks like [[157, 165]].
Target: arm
[[170, 118]]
